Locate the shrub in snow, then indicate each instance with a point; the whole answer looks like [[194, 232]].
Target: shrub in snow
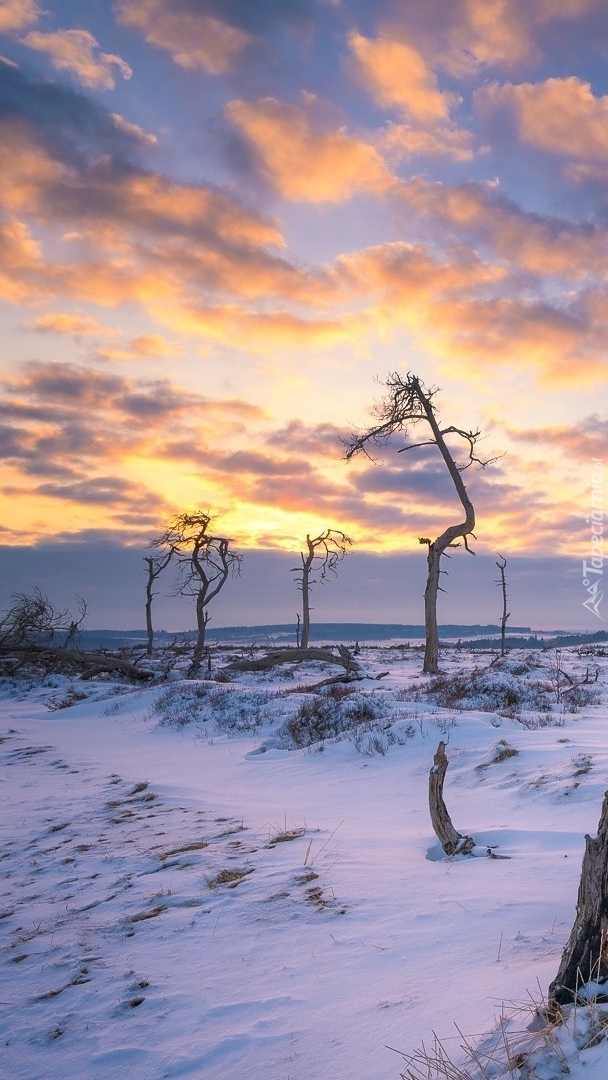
[[320, 717], [509, 686], [228, 709]]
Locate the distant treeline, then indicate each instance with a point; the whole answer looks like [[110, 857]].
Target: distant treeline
[[285, 634], [470, 636], [546, 640]]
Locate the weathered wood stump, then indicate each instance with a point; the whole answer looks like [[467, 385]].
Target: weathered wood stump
[[452, 842], [585, 957]]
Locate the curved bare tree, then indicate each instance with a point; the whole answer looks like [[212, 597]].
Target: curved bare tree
[[204, 563], [407, 404], [323, 555]]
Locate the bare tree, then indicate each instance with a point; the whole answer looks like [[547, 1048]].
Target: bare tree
[[33, 622], [36, 635], [155, 566], [502, 583], [204, 563], [408, 403], [323, 555]]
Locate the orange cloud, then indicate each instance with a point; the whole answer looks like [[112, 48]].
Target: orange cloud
[[398, 77], [76, 51], [560, 116], [194, 39], [61, 322], [548, 344], [143, 346], [406, 274], [26, 167], [304, 164], [402, 141], [498, 32], [526, 241], [139, 235], [254, 330], [133, 130], [17, 14], [20, 261], [582, 440]]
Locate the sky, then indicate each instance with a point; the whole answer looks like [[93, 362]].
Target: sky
[[224, 224]]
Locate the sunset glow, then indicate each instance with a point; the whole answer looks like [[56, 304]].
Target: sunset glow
[[223, 222]]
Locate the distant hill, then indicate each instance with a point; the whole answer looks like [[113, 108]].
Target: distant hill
[[285, 633], [470, 635]]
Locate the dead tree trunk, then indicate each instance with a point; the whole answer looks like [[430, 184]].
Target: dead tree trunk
[[324, 553], [505, 614], [585, 957], [452, 842], [155, 568]]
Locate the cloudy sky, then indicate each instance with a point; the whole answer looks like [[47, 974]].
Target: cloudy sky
[[224, 221]]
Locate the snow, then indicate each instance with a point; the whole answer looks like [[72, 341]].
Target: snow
[[185, 894]]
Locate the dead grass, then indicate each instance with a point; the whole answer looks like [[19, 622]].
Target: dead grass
[[502, 752], [285, 836], [231, 878]]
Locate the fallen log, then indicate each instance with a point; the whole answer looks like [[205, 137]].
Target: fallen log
[[297, 656], [452, 842], [88, 663]]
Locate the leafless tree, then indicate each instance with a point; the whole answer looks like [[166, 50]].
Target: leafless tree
[[502, 583], [155, 566], [204, 563], [34, 622], [36, 635], [408, 403], [323, 555]]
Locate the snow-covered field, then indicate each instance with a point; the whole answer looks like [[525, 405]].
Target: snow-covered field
[[193, 888]]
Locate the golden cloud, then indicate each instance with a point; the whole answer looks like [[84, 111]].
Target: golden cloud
[[253, 330], [304, 164]]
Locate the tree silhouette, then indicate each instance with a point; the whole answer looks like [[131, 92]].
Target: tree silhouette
[[323, 555], [409, 403], [204, 563]]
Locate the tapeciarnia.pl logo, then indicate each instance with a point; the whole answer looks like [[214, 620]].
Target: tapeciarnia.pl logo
[[593, 571]]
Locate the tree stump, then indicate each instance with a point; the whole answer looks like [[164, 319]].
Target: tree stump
[[452, 842], [585, 957]]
